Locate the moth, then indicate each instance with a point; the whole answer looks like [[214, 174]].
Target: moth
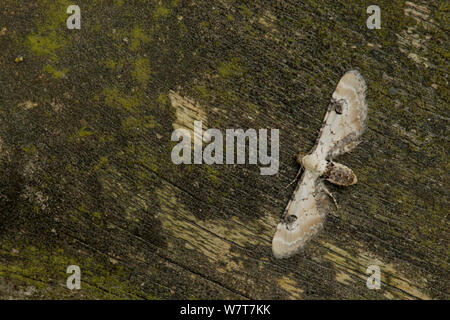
[[344, 123]]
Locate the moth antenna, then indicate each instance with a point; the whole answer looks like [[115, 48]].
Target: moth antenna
[[295, 179], [298, 173]]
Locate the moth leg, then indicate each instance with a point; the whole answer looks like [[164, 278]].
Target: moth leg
[[330, 195]]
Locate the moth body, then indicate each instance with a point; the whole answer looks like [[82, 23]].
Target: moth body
[[314, 163], [344, 123]]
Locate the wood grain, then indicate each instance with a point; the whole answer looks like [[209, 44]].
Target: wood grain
[[86, 175]]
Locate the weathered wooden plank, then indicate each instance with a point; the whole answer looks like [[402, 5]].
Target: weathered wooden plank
[[86, 175]]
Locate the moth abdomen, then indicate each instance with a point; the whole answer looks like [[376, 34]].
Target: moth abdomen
[[339, 174]]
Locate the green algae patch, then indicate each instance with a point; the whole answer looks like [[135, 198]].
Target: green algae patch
[[119, 100], [132, 123], [231, 69], [45, 44], [113, 64], [213, 176], [202, 91], [49, 37], [138, 37], [142, 71], [162, 99], [85, 132], [57, 74], [44, 269], [160, 12], [102, 162]]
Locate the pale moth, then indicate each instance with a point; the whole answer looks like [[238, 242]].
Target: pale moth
[[344, 123]]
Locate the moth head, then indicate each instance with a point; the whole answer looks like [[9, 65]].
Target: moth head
[[299, 158]]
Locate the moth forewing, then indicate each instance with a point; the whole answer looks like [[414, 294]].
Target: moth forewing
[[349, 122]]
